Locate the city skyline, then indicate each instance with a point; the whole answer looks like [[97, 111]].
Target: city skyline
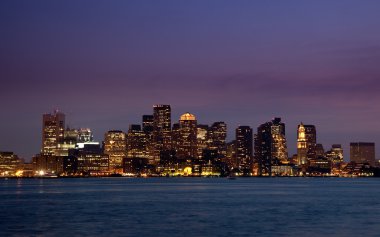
[[106, 64], [172, 123]]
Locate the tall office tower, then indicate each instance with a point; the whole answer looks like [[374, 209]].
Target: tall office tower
[[335, 154], [244, 147], [115, 146], [148, 123], [175, 137], [161, 130], [187, 147], [279, 145], [53, 127], [217, 138], [202, 139], [147, 127], [136, 142], [362, 152], [69, 141], [231, 154], [270, 146], [85, 135], [306, 143]]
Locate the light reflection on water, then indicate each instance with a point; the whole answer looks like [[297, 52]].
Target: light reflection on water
[[190, 207]]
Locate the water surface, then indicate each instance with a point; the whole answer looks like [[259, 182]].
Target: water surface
[[190, 207]]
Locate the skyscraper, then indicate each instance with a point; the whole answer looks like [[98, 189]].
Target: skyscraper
[[270, 146], [115, 147], [202, 139], [279, 145], [161, 130], [217, 138], [187, 146], [53, 127], [306, 143], [136, 142], [362, 152], [244, 147]]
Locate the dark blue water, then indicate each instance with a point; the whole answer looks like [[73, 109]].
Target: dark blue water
[[190, 207]]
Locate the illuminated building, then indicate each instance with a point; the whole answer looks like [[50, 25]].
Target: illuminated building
[[48, 164], [135, 166], [231, 154], [53, 126], [136, 142], [270, 146], [85, 135], [69, 141], [319, 166], [244, 147], [217, 137], [176, 136], [161, 130], [115, 146], [279, 146], [335, 154], [9, 164], [202, 139], [362, 152], [306, 143], [91, 160], [187, 145]]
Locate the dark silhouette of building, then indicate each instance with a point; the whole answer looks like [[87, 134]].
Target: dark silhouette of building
[[362, 152], [217, 138], [270, 146], [244, 147], [161, 131]]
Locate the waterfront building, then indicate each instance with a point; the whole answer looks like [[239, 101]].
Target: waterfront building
[[47, 164], [9, 164], [91, 160], [115, 146]]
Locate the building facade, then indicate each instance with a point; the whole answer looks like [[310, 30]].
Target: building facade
[[115, 146], [362, 152], [53, 127]]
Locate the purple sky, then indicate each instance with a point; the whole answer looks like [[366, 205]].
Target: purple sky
[[105, 63]]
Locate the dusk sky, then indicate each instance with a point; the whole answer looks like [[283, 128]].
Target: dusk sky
[[105, 63]]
